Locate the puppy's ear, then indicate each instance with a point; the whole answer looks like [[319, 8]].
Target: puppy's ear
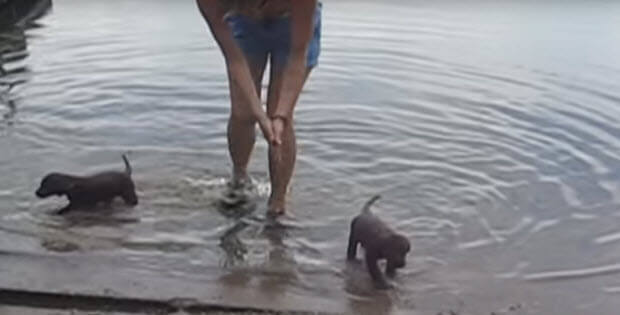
[[55, 184], [400, 242], [71, 185], [69, 188]]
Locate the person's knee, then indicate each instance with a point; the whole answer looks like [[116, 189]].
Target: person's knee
[[241, 117]]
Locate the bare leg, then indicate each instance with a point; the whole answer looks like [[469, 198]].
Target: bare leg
[[352, 247], [241, 124], [375, 273], [281, 158], [390, 269]]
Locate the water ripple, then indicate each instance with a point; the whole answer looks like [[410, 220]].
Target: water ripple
[[573, 274], [494, 142]]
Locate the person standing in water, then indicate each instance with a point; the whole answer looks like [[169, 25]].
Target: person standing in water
[[250, 33]]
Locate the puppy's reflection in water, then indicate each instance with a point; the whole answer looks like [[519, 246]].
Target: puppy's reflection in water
[[381, 303], [74, 232], [363, 298], [109, 218]]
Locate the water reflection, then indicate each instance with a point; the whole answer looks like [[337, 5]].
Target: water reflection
[[22, 13], [381, 303], [15, 18], [230, 241], [279, 258], [234, 249], [13, 49], [276, 272], [488, 128]]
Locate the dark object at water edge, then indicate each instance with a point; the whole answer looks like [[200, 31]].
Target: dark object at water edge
[[21, 12]]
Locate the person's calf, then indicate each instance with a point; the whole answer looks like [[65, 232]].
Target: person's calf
[[280, 176], [241, 139]]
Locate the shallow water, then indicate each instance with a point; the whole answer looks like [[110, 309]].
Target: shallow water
[[491, 130]]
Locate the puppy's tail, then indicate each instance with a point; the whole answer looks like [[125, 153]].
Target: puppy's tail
[[366, 208], [128, 169]]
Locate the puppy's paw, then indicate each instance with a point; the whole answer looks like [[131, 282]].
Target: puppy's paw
[[383, 285], [390, 273], [63, 210], [355, 261]]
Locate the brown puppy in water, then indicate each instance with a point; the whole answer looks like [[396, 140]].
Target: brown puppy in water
[[88, 191], [379, 242]]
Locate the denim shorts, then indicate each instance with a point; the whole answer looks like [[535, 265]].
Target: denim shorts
[[260, 38]]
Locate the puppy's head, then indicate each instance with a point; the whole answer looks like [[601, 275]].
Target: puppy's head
[[396, 248], [129, 193], [54, 184]]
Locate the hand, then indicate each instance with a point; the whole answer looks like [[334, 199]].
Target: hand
[[277, 125], [266, 127]]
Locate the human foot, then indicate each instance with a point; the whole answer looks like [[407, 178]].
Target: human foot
[[276, 207], [237, 191]]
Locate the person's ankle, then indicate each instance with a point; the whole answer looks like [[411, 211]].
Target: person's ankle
[[239, 177]]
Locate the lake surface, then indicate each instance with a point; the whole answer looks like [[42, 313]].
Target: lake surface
[[492, 131]]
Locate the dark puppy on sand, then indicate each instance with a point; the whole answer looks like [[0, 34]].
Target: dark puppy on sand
[[88, 191], [379, 242]]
